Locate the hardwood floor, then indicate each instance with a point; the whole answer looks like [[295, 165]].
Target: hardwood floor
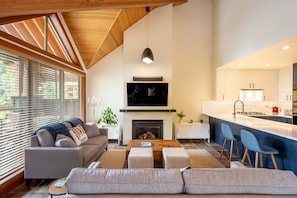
[[38, 188]]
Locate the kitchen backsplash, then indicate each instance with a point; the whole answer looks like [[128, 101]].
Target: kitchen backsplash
[[255, 106]]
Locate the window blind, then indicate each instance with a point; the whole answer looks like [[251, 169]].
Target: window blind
[[31, 95]]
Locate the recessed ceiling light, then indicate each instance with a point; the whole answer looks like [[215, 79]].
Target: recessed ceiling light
[[286, 47], [268, 65], [239, 64]]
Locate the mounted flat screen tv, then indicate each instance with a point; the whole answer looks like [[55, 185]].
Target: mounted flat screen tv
[[147, 94]]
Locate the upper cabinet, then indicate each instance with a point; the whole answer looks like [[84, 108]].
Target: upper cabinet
[[229, 82], [285, 84]]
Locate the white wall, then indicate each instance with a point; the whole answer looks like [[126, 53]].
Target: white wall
[[105, 83], [158, 24], [192, 35], [180, 38], [243, 27]]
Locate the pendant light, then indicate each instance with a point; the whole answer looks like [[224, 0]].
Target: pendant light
[[147, 55]]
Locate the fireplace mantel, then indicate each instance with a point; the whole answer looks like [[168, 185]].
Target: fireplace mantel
[[147, 114], [147, 110]]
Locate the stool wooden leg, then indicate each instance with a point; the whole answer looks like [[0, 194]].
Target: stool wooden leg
[[256, 160], [249, 159], [274, 162], [224, 144], [261, 160], [244, 155], [231, 150]]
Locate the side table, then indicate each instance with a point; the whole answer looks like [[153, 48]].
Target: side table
[[54, 190]]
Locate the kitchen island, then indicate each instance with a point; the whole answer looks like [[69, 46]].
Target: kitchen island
[[281, 136]]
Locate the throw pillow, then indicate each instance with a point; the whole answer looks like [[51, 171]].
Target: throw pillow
[[45, 138], [78, 134], [92, 130], [65, 142]]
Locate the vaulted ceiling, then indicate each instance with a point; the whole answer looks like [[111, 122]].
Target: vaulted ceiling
[[89, 29]]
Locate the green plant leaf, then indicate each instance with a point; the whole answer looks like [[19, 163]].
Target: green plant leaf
[[108, 117]]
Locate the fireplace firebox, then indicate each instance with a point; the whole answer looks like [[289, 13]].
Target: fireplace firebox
[[147, 129]]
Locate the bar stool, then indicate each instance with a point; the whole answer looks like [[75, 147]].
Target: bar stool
[[228, 135], [251, 143]]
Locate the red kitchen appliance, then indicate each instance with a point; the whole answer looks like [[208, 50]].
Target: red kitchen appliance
[[275, 109]]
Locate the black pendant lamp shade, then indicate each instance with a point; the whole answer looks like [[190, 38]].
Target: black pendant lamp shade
[[147, 56]]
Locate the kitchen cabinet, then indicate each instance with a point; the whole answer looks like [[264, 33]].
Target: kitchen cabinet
[[229, 82], [227, 85], [195, 130], [285, 84]]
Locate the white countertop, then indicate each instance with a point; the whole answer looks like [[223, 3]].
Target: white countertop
[[276, 128]]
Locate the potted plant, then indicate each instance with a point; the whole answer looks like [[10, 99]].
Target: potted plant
[[181, 115], [108, 117]]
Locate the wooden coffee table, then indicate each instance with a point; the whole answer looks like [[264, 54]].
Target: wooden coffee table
[[157, 146]]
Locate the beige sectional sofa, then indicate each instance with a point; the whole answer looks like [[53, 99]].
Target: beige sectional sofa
[[197, 182], [53, 153]]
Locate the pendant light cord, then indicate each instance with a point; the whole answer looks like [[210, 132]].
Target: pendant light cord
[[147, 9]]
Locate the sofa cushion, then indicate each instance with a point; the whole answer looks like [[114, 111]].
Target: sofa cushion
[[98, 140], [78, 134], [34, 142], [239, 180], [92, 130], [64, 141], [45, 138], [153, 181], [90, 153]]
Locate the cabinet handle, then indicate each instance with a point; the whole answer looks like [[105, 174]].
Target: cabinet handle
[[286, 97]]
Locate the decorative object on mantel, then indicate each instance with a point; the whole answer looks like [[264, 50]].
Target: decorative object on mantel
[[181, 115], [108, 117], [147, 55]]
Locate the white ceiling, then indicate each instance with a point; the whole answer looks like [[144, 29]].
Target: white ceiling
[[273, 55]]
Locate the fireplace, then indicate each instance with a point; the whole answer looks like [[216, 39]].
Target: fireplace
[[147, 129]]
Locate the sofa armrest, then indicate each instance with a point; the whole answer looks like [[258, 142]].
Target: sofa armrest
[[103, 131], [51, 162]]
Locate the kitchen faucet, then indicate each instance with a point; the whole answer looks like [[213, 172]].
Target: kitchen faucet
[[242, 106]]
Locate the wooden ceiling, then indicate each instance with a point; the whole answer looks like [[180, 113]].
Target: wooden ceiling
[[90, 29]]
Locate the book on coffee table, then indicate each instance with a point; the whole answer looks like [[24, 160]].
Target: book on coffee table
[[60, 183], [145, 144]]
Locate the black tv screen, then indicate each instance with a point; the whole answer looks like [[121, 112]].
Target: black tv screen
[[147, 94]]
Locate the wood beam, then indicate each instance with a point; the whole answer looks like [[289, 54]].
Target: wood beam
[[32, 7], [12, 19]]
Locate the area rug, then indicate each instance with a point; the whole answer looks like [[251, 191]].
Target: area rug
[[113, 159], [199, 158]]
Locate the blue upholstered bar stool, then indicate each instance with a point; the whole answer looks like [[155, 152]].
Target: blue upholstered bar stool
[[228, 135], [251, 143]]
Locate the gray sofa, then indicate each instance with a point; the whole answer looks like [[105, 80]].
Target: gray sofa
[[197, 182], [52, 153]]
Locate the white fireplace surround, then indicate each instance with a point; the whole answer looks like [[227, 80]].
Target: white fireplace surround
[[129, 116]]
